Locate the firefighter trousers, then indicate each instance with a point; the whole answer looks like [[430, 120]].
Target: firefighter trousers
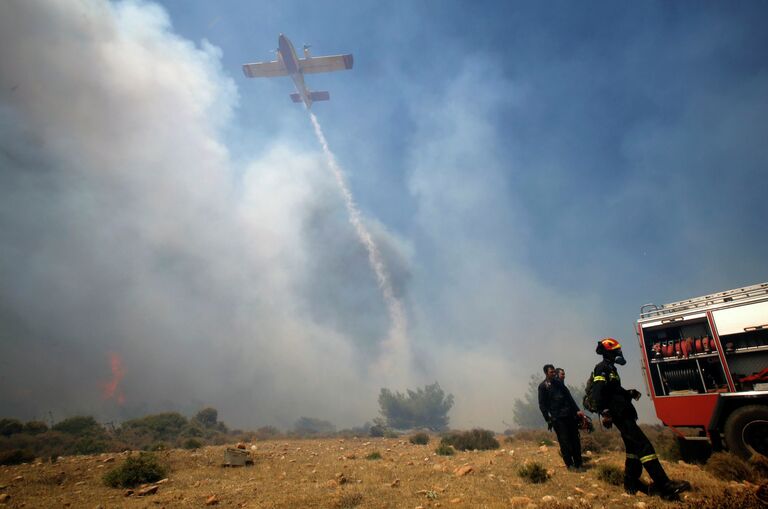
[[640, 453], [567, 431]]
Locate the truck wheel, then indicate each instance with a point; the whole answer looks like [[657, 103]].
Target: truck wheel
[[746, 431]]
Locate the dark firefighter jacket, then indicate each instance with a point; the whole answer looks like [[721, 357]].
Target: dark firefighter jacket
[[555, 400], [608, 392]]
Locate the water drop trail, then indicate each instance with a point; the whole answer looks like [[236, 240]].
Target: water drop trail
[[396, 348]]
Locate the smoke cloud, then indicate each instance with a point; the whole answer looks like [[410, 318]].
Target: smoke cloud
[[128, 231]]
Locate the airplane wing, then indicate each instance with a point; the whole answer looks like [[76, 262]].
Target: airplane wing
[[264, 70], [325, 64]]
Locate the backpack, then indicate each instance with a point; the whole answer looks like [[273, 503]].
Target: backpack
[[588, 403]]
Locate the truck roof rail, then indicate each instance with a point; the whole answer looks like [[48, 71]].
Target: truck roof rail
[[737, 294]]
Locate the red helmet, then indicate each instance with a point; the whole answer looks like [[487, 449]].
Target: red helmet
[[608, 345]]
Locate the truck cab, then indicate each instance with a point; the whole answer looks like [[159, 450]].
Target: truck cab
[[705, 364]]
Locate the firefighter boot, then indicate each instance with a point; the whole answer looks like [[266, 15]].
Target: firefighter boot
[[662, 485], [632, 471]]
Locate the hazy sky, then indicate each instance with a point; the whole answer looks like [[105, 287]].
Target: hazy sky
[[532, 172]]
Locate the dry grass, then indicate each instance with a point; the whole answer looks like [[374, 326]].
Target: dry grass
[[326, 473], [729, 467]]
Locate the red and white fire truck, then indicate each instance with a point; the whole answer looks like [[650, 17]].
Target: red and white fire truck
[[705, 363]]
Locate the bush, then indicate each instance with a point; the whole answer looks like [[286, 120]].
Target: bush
[[79, 425], [192, 443], [311, 426], [445, 450], [419, 439], [9, 427], [348, 500], [610, 474], [477, 439], [533, 472], [422, 408], [207, 417], [16, 457], [35, 427], [266, 432], [375, 455], [729, 467], [726, 499], [547, 442], [589, 443], [160, 427], [136, 470]]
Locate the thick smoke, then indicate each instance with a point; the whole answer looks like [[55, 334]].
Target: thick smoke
[[127, 230]]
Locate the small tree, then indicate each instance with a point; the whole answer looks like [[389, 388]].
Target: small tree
[[207, 417], [422, 408]]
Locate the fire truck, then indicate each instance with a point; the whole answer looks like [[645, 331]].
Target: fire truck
[[705, 364]]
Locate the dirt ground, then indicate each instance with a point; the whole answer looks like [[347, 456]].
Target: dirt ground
[[335, 473]]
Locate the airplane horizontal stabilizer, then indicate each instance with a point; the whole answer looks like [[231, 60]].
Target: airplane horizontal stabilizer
[[296, 98], [320, 96]]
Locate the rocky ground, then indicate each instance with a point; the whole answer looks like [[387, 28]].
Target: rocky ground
[[337, 473]]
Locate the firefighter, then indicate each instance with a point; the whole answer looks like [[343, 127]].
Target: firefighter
[[615, 405], [560, 411]]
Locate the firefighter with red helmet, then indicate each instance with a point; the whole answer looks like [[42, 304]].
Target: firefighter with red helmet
[[615, 405]]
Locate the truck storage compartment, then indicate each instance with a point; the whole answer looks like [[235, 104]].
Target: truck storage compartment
[[683, 358]]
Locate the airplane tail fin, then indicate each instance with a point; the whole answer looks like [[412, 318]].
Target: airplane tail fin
[[296, 98], [319, 96]]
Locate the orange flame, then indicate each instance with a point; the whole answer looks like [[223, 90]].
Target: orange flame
[[111, 390]]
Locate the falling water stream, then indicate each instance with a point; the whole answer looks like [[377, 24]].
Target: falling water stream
[[395, 347]]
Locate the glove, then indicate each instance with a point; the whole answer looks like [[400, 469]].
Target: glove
[[549, 425], [607, 419], [635, 394]]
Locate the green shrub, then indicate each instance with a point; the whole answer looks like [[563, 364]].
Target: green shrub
[[16, 457], [477, 439], [420, 438], [610, 474], [9, 427], [160, 427], [729, 467], [79, 425], [547, 442], [136, 470], [192, 443], [90, 445], [35, 427], [375, 455], [445, 450], [533, 472]]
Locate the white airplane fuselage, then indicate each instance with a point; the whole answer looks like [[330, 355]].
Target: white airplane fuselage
[[287, 55]]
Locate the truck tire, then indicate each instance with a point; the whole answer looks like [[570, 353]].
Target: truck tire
[[746, 431]]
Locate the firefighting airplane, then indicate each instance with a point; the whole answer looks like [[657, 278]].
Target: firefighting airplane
[[288, 64]]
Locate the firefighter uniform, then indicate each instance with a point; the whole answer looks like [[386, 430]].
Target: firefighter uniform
[[615, 405], [559, 410], [610, 395]]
